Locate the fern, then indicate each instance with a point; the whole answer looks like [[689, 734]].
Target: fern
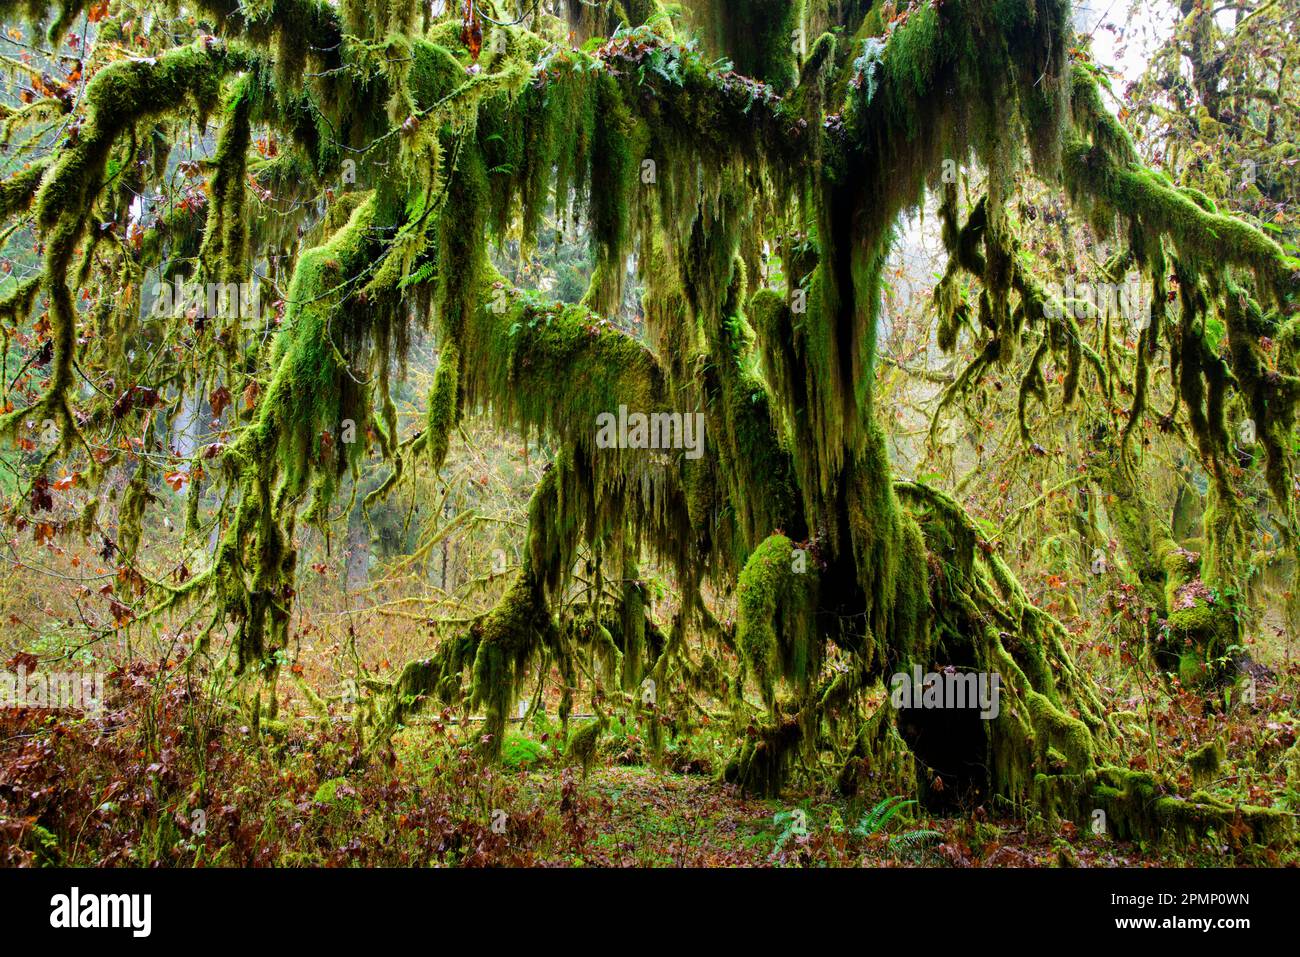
[[912, 845], [793, 823], [875, 820]]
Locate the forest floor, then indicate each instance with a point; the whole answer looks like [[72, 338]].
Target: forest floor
[[640, 817], [637, 816], [169, 777]]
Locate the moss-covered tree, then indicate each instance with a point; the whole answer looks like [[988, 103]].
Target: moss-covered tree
[[368, 158]]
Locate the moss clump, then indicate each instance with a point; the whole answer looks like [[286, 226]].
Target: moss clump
[[775, 629], [1205, 761], [1112, 187], [1138, 808], [337, 792], [1201, 631], [580, 748], [520, 753], [584, 740]]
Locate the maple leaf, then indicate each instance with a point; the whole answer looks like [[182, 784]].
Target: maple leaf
[[219, 400], [42, 500], [121, 613], [131, 578], [23, 659]]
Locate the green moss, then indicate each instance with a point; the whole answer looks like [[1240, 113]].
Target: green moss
[[1101, 183], [117, 97], [223, 252], [580, 748], [1059, 732], [520, 753], [1205, 760], [633, 631], [507, 640], [444, 406], [130, 515], [17, 192], [761, 40], [1139, 808], [312, 391], [337, 792], [775, 630], [762, 763], [16, 304]]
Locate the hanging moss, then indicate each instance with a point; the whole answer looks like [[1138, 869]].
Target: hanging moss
[[222, 253], [18, 301], [312, 391], [130, 515], [117, 97], [1111, 188], [635, 647], [296, 29], [444, 405], [887, 542], [17, 192], [516, 630]]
